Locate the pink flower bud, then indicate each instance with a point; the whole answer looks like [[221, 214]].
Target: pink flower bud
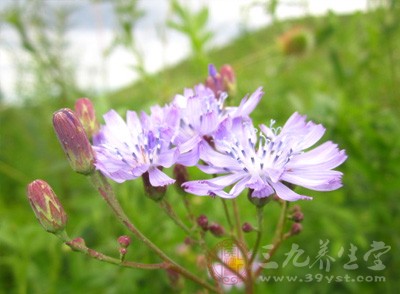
[[223, 81], [229, 79], [216, 230], [202, 221], [46, 206], [124, 241], [296, 229], [77, 244], [247, 228], [74, 141], [298, 216], [85, 112]]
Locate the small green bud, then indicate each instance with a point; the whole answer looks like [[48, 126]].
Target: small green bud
[[46, 206], [74, 141]]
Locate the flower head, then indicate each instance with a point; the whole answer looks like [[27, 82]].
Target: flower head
[[126, 150], [200, 116], [263, 161]]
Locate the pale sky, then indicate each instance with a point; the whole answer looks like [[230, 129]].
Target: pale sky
[[91, 33]]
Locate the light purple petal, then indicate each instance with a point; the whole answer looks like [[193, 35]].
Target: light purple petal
[[287, 194], [168, 157], [158, 178], [189, 158], [208, 123], [315, 179], [190, 144], [115, 122], [266, 191]]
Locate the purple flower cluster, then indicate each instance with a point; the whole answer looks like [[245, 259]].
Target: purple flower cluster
[[198, 129]]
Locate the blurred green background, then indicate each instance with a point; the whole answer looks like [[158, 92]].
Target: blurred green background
[[340, 70]]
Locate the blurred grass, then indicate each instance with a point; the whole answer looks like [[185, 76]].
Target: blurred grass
[[349, 82]]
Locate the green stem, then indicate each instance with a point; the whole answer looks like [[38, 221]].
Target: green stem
[[237, 221], [228, 217], [279, 237], [260, 218], [166, 206], [186, 203], [80, 247], [106, 191]]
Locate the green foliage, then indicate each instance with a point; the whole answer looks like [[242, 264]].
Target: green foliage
[[127, 15], [41, 30], [348, 82], [194, 26]]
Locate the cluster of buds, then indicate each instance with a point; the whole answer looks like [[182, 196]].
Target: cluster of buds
[[73, 130], [297, 217], [223, 81], [216, 229], [298, 40], [124, 242]]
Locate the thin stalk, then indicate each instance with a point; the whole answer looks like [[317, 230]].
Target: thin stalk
[[105, 258], [166, 206], [279, 237], [228, 217], [186, 203], [106, 191], [237, 221], [260, 219]]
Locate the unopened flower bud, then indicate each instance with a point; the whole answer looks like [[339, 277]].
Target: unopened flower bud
[[246, 227], [74, 141], [298, 216], [85, 112], [296, 41], [229, 79], [188, 241], [181, 176], [124, 241], [296, 229], [216, 230], [76, 244], [46, 206], [202, 221], [223, 81], [154, 193]]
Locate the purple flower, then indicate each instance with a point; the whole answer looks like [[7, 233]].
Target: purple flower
[[200, 115], [125, 151], [263, 161]]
